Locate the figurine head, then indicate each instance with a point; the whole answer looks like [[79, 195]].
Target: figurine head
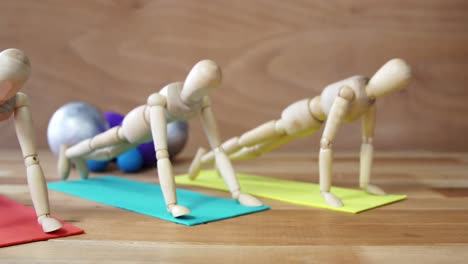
[[14, 71], [391, 77], [204, 77]]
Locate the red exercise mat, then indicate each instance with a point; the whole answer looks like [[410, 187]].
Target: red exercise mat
[[18, 225]]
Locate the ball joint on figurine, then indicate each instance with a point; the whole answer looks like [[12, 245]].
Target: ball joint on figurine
[[77, 121]]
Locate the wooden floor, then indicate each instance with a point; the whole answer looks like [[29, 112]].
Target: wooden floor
[[431, 226]]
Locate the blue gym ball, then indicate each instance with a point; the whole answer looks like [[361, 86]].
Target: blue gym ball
[[130, 161], [97, 165]]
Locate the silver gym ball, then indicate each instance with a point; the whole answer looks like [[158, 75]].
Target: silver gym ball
[[177, 135], [74, 122]]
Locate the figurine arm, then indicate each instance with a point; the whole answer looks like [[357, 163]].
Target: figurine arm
[[158, 123], [249, 145], [35, 175], [335, 118], [23, 126], [367, 152]]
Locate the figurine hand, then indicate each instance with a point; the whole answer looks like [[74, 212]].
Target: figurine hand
[[372, 189], [178, 210], [331, 199], [48, 223], [82, 167], [248, 200]]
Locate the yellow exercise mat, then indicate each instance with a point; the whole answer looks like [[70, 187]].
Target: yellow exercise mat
[[295, 192]]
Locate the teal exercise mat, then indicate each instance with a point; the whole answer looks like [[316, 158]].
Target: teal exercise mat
[[147, 199]]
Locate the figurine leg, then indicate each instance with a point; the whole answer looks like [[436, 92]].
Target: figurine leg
[[104, 139], [64, 164], [265, 134], [106, 153], [158, 125], [242, 146], [335, 118], [104, 146], [245, 153], [36, 180], [248, 153]]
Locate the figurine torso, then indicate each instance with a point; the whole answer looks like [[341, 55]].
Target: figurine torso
[[358, 106], [7, 108], [137, 123], [176, 109]]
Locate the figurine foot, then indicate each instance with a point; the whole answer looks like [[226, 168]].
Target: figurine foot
[[195, 167], [331, 199], [178, 210], [48, 223], [372, 189], [248, 200], [82, 168]]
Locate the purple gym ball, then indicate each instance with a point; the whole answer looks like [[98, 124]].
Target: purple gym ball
[[177, 135]]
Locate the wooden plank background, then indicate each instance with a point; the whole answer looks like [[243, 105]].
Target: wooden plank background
[[113, 54]]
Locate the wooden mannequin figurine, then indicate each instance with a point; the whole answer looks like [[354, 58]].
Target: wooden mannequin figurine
[[340, 102], [176, 101], [14, 71]]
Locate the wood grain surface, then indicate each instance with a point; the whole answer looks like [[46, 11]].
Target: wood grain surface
[[113, 54], [429, 227]]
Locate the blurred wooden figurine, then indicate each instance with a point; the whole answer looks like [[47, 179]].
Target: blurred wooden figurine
[[341, 102], [176, 101], [14, 71]]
